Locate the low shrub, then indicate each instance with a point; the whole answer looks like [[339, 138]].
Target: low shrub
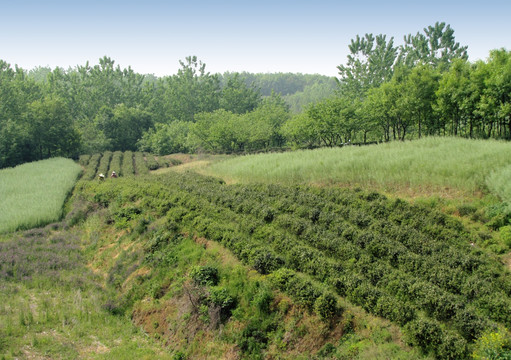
[[205, 275]]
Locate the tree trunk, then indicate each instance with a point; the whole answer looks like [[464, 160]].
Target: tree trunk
[[420, 123]]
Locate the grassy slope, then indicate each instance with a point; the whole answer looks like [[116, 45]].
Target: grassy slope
[[52, 306], [26, 330], [63, 290], [428, 165], [228, 214], [33, 194], [152, 275]]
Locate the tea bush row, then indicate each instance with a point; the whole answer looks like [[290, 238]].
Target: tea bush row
[[115, 163], [92, 166], [344, 242]]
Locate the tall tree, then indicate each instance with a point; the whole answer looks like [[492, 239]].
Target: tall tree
[[192, 90], [334, 120], [370, 63], [51, 130], [419, 90], [238, 97], [436, 47], [497, 93], [452, 95], [123, 125]]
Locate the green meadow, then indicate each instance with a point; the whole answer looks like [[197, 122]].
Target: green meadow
[[427, 165], [33, 194]]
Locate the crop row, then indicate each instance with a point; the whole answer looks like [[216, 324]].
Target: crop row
[[406, 263], [123, 163]]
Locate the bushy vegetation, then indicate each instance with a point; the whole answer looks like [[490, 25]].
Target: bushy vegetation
[[407, 263], [33, 194], [141, 167], [157, 264], [92, 167], [127, 164], [104, 163], [115, 163]]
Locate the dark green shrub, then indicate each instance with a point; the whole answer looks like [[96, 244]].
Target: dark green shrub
[[348, 323], [263, 300], [84, 160], [127, 164], [466, 209], [265, 261], [453, 347], [205, 275], [254, 338], [151, 162], [471, 325], [140, 164], [423, 333], [220, 297], [326, 306], [327, 350]]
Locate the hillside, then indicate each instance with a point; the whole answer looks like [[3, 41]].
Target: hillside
[[185, 266]]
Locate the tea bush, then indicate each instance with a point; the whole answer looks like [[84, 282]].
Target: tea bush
[[405, 262]]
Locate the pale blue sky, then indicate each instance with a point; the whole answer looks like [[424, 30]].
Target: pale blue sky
[[263, 36]]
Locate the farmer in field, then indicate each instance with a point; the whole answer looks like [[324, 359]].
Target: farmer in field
[[114, 174], [101, 176]]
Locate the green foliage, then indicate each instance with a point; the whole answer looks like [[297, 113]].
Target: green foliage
[[436, 47], [127, 164], [326, 306], [425, 334], [140, 164], [407, 263], [224, 131], [104, 163], [115, 163], [166, 138], [369, 63], [84, 160], [237, 97], [123, 125], [92, 166], [205, 275]]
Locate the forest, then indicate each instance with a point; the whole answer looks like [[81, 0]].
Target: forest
[[422, 87]]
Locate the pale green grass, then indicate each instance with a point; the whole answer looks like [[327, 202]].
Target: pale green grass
[[429, 164], [33, 194], [499, 182]]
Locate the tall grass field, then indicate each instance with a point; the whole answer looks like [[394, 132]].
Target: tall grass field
[[33, 194], [426, 164]]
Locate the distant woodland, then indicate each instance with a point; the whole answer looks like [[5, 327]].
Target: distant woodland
[[384, 91]]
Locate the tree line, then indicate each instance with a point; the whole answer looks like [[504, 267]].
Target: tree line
[[426, 86], [94, 108]]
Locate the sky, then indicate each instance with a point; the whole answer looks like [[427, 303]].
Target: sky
[[309, 37]]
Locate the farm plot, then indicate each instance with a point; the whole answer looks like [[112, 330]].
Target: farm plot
[[123, 163], [407, 263], [33, 194]]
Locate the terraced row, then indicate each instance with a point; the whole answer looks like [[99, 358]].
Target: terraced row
[[407, 263]]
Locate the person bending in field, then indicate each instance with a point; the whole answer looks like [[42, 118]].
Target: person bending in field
[[114, 175], [101, 176]]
